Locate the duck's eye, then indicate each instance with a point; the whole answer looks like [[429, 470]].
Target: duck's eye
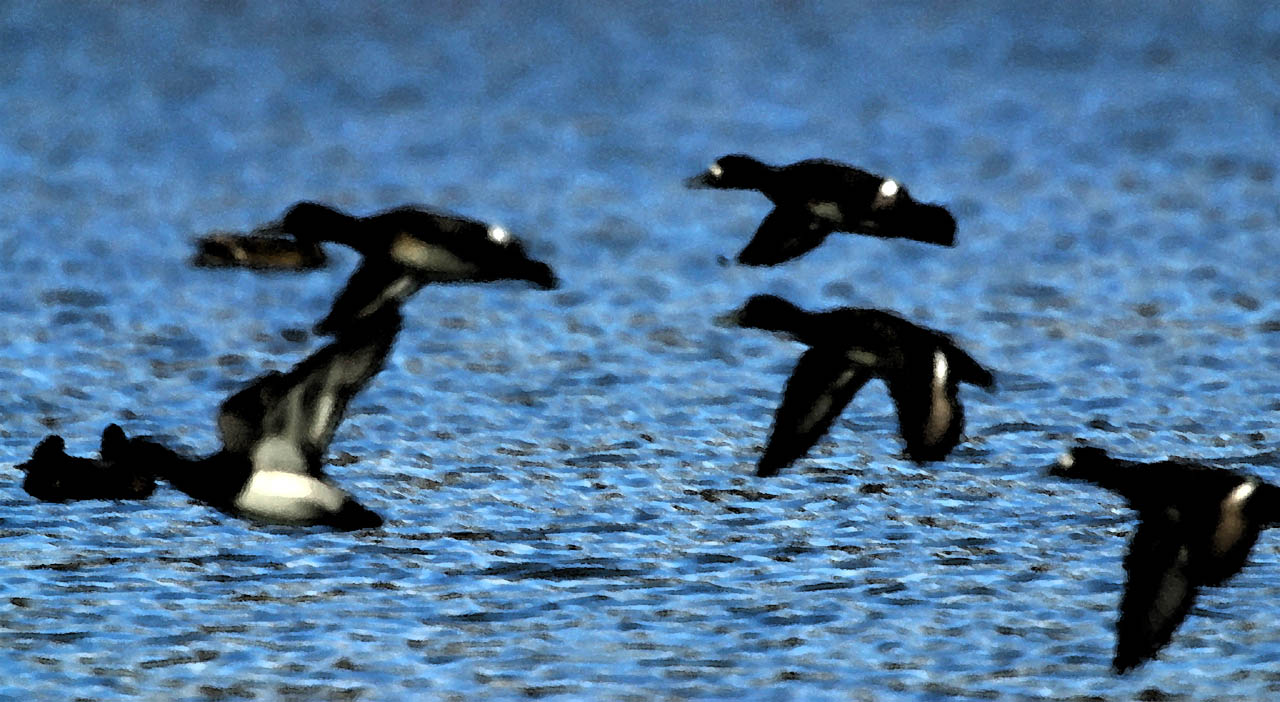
[[498, 235], [715, 170]]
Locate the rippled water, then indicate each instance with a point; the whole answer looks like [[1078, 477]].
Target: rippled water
[[567, 475]]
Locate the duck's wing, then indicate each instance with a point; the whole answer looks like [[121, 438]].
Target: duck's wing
[[785, 233], [376, 285], [930, 417], [821, 386], [1158, 593], [966, 370], [284, 422]]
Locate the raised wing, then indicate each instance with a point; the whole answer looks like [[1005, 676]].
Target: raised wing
[[1158, 593], [284, 422], [821, 386]]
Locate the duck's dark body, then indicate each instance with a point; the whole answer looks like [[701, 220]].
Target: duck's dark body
[[816, 197], [406, 248], [848, 347], [53, 476], [1196, 527]]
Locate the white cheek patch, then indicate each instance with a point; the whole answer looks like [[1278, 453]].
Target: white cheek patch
[[715, 170], [498, 235], [1066, 460]]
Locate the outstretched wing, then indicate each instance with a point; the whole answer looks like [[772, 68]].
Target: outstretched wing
[[284, 422], [821, 386], [1158, 593], [785, 233], [376, 285]]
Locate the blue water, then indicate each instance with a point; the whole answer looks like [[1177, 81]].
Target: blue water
[[567, 476]]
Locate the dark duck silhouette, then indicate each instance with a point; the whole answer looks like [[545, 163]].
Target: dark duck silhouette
[[816, 197], [274, 436], [53, 476], [407, 247], [1196, 527], [847, 348]]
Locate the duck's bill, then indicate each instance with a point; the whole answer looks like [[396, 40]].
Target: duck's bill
[[700, 181]]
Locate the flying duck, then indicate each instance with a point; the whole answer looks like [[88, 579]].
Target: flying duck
[[847, 348], [1196, 527], [407, 247], [816, 197]]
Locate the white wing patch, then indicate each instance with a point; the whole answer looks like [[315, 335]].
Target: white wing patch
[[1231, 521], [829, 211], [287, 498], [939, 405], [323, 412], [940, 369], [416, 253]]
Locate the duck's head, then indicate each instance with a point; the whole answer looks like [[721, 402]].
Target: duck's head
[[768, 312], [735, 171], [313, 221], [1082, 463]]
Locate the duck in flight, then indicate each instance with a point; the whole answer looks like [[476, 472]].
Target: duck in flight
[[816, 197], [274, 433], [405, 248], [847, 348], [1196, 527]]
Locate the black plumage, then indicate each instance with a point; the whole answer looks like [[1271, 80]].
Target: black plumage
[[407, 247], [848, 347], [1196, 527], [816, 197]]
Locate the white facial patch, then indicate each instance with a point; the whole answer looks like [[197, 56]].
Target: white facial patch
[[1066, 460], [498, 235], [715, 170]]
